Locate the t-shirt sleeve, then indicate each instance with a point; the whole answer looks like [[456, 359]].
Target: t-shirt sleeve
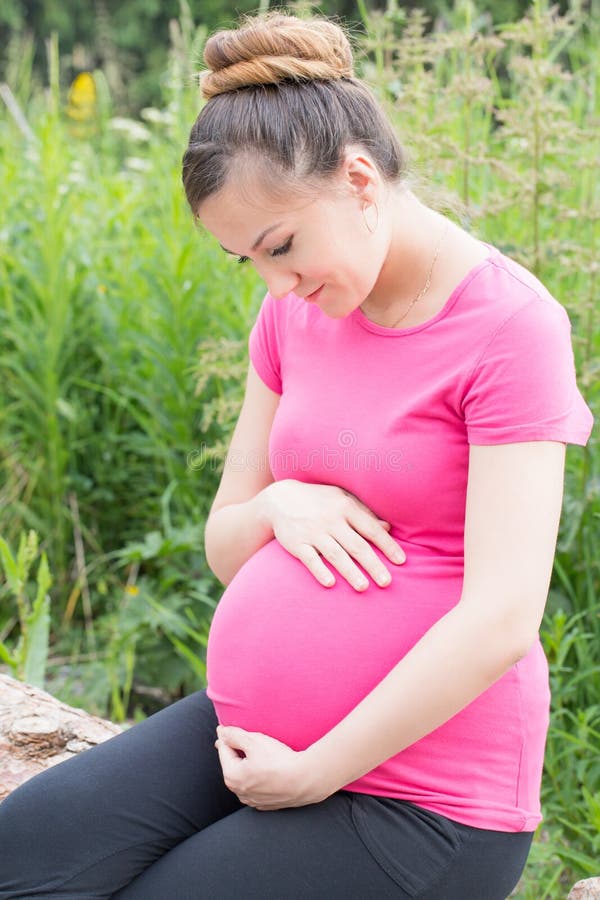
[[523, 386], [264, 344]]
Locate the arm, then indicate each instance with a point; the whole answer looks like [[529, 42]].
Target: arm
[[514, 501], [236, 528]]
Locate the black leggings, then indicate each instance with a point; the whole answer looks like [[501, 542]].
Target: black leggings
[[146, 816]]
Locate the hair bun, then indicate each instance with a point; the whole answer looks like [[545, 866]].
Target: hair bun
[[274, 47]]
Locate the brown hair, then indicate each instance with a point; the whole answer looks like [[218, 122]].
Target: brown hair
[[281, 92]]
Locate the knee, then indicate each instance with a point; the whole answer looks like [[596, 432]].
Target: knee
[[21, 814], [30, 829]]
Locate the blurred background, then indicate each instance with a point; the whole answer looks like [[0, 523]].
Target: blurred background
[[123, 330], [129, 40]]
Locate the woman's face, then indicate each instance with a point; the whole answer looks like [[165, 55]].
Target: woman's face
[[305, 246]]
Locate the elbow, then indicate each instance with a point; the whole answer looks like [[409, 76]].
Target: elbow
[[213, 559], [517, 641], [521, 625], [219, 574], [217, 570], [524, 646], [503, 651], [508, 636]]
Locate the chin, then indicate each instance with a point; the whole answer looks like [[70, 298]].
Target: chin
[[343, 309], [336, 313]]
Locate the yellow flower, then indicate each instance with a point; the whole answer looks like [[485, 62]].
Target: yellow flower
[[132, 589], [81, 103]]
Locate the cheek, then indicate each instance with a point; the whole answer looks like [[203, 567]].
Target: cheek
[[346, 261], [359, 270], [343, 262]]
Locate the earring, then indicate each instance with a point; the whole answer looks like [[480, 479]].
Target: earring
[[370, 228]]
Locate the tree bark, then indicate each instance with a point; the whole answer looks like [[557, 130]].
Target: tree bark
[[588, 889], [38, 731]]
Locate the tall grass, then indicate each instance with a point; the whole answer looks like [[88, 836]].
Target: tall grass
[[106, 290], [123, 346]]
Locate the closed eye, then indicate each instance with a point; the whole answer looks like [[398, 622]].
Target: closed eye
[[279, 251]]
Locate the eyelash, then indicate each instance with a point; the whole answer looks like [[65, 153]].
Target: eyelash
[[279, 251]]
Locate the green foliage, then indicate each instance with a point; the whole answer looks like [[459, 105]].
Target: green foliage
[[567, 846], [164, 603], [29, 657], [128, 39], [123, 336]]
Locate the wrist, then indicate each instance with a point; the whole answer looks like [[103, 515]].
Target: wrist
[[265, 503], [319, 781], [262, 503]]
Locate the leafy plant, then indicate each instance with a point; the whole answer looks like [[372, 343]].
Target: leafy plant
[[28, 658]]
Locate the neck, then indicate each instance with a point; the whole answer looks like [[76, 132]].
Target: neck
[[414, 235]]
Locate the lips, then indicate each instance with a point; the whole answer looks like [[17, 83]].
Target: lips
[[315, 295]]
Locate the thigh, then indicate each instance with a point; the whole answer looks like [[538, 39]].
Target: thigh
[[347, 846], [88, 826], [449, 860], [301, 853], [489, 868]]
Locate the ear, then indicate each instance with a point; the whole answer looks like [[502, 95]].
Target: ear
[[360, 175]]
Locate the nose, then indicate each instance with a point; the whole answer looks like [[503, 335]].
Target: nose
[[281, 283]]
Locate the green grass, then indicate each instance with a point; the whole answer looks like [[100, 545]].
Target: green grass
[[123, 347]]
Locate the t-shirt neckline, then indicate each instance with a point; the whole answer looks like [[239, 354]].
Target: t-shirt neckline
[[361, 319]]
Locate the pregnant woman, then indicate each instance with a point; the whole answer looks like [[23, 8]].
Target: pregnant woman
[[378, 698]]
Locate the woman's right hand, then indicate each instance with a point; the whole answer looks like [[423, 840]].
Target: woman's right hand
[[323, 521]]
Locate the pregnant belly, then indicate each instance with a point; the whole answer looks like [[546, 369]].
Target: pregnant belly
[[290, 658]]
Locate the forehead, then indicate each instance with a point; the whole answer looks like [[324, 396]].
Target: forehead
[[233, 210], [237, 216]]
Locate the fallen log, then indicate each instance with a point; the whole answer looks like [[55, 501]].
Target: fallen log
[[38, 731], [588, 889]]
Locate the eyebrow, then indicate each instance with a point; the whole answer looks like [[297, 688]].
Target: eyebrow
[[258, 240]]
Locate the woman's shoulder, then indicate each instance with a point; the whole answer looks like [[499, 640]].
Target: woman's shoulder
[[516, 275], [505, 288]]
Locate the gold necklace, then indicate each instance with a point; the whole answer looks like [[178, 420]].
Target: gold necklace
[[425, 288]]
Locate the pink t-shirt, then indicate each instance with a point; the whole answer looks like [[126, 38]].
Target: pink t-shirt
[[389, 414]]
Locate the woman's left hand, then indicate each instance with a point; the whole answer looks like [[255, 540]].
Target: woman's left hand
[[270, 775]]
